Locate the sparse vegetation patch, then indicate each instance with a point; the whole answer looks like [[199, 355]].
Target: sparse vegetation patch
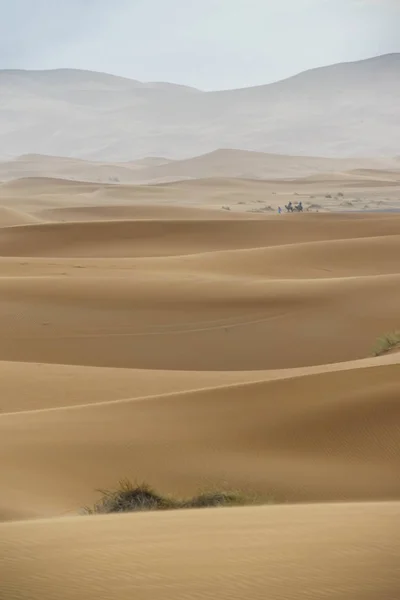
[[386, 343], [129, 497]]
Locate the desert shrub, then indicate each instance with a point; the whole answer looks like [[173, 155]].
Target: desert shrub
[[386, 343], [207, 499], [129, 497]]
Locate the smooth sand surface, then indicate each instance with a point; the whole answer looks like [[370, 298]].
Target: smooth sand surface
[[150, 333], [316, 552]]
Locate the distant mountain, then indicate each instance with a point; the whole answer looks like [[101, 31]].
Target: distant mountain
[[223, 163], [257, 165], [344, 110]]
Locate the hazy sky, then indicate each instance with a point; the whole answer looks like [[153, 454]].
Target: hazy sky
[[210, 44]]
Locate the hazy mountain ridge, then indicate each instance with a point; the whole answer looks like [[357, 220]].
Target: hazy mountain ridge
[[222, 163], [350, 109]]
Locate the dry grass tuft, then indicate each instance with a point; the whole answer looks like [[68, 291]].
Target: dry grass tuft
[[129, 497]]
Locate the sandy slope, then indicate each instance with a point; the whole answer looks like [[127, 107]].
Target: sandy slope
[[281, 437], [160, 237], [10, 217], [148, 333], [140, 211], [332, 552]]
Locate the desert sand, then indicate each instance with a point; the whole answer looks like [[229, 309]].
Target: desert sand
[[223, 163], [186, 334]]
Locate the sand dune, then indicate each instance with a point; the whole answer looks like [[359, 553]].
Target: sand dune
[[157, 333], [223, 164], [313, 260], [140, 211], [329, 551], [212, 322], [383, 174], [219, 292], [10, 217], [278, 437], [41, 185], [226, 198], [238, 163], [156, 237], [35, 165]]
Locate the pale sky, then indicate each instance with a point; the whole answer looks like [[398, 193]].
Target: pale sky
[[209, 44]]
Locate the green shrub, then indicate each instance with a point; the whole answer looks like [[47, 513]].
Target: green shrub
[[387, 343]]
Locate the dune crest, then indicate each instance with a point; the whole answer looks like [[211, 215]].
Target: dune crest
[[222, 163]]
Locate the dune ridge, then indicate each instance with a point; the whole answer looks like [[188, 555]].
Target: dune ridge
[[223, 163]]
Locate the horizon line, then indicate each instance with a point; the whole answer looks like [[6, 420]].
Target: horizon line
[[182, 85]]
